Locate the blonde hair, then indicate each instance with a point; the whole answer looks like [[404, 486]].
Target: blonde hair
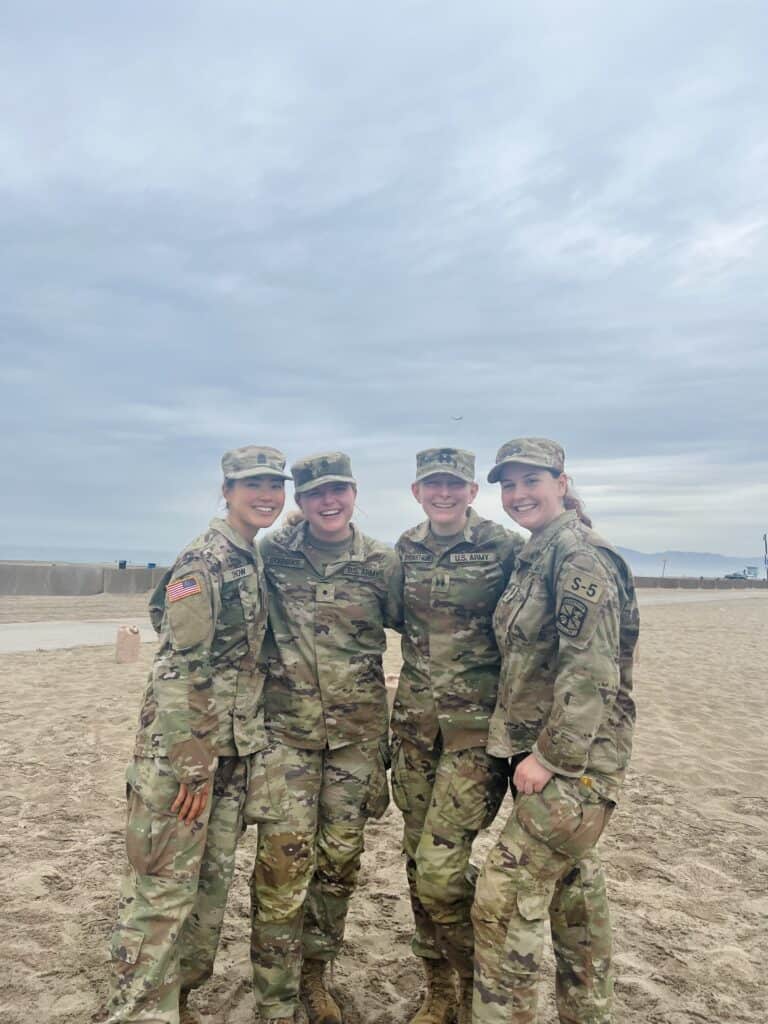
[[572, 502]]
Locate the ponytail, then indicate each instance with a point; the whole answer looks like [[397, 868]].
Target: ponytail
[[572, 502]]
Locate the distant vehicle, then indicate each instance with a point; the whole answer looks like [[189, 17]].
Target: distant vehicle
[[736, 575]]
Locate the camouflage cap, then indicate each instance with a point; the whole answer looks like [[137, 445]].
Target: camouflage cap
[[316, 470], [454, 461], [531, 451], [253, 460]]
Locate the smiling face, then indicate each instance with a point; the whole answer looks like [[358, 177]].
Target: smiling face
[[445, 499], [531, 495], [253, 503], [328, 510]]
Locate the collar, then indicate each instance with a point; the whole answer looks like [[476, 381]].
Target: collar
[[539, 542], [420, 534], [222, 526], [298, 542]]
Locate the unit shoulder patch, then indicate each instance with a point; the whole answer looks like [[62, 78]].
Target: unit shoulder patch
[[571, 616]]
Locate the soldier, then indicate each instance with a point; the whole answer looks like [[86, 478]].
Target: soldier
[[456, 565], [332, 592], [567, 625], [201, 727]]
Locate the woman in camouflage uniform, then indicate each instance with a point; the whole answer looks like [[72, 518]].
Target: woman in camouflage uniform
[[332, 592], [455, 565], [567, 625], [200, 730]]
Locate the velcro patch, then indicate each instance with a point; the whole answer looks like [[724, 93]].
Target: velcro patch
[[581, 584], [571, 616], [463, 557], [284, 562], [359, 571], [237, 574], [182, 588], [419, 557]]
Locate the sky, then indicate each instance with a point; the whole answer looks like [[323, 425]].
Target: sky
[[377, 228]]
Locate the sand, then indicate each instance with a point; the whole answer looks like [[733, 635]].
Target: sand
[[686, 854]]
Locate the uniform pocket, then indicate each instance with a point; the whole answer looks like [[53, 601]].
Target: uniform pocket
[[155, 840], [268, 797], [125, 944], [475, 787], [568, 817]]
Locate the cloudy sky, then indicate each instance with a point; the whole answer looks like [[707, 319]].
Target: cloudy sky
[[379, 227]]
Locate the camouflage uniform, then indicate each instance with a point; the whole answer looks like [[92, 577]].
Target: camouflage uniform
[[326, 703], [567, 625], [443, 781], [201, 722]]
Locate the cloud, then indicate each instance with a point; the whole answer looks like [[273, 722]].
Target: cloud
[[337, 228]]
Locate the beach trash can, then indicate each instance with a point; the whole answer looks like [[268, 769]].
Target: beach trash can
[[127, 644]]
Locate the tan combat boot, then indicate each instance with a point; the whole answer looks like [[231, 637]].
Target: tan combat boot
[[186, 1014], [320, 1005], [439, 1006]]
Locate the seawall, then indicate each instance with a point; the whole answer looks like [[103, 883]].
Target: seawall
[[63, 579]]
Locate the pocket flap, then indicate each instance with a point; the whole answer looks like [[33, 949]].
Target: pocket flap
[[126, 944], [533, 904]]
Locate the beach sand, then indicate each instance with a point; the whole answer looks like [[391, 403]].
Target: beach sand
[[686, 852]]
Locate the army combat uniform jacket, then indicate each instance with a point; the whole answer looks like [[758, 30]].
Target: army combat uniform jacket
[[203, 699], [450, 672], [325, 686], [567, 625]]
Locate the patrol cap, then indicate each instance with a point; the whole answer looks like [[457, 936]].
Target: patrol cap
[[530, 451], [325, 468], [454, 461], [253, 460]]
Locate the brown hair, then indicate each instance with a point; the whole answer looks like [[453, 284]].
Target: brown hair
[[571, 501]]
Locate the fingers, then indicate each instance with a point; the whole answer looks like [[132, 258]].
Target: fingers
[[196, 805], [181, 797]]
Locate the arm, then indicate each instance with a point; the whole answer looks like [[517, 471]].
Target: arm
[[587, 621], [182, 681], [393, 600]]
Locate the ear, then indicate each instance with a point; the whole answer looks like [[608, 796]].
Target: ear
[[562, 485], [416, 492], [297, 499], [473, 489]]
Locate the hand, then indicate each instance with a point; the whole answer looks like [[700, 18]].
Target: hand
[[531, 776], [189, 805]]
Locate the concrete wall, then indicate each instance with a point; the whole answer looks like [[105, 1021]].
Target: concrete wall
[[61, 579], [51, 578], [698, 583]]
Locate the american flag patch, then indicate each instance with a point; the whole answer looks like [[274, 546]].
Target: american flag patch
[[183, 588]]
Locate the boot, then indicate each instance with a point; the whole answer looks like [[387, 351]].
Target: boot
[[320, 1005], [186, 1014], [439, 1006]]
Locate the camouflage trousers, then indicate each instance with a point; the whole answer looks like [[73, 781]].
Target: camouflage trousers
[[307, 863], [545, 868], [445, 797], [174, 889]]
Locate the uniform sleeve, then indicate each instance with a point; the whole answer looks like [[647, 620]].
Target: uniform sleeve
[[587, 622], [182, 674], [393, 602]]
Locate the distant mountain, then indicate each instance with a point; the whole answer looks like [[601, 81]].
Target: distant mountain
[[689, 563]]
